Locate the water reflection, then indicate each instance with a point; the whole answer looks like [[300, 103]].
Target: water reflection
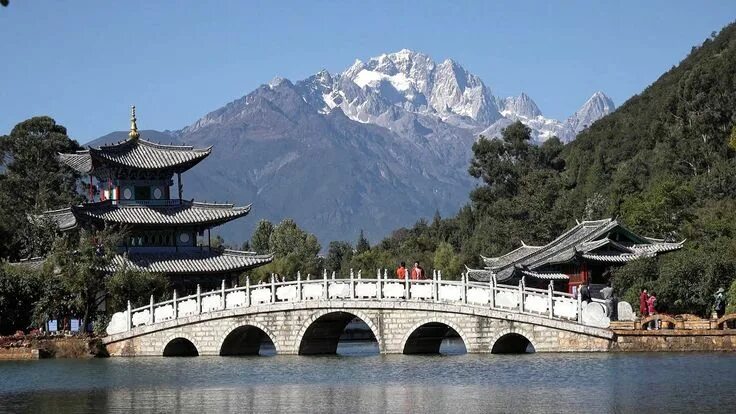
[[376, 383]]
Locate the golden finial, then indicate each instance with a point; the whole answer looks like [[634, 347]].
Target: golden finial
[[133, 127]]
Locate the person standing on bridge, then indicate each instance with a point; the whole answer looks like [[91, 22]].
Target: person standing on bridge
[[417, 273], [401, 271]]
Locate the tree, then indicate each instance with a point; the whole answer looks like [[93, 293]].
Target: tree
[[446, 260], [20, 288], [362, 245], [339, 254], [261, 236], [127, 284], [33, 181], [294, 251]]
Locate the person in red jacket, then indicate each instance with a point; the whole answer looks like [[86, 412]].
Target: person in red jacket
[[401, 271], [417, 272], [643, 304]]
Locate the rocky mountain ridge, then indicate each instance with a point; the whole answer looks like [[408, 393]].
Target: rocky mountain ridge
[[375, 147]]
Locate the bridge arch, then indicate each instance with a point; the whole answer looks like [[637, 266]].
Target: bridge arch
[[419, 345], [669, 320], [723, 320], [180, 345], [324, 341], [245, 338], [512, 341]]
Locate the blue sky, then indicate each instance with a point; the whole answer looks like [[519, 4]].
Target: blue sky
[[85, 62]]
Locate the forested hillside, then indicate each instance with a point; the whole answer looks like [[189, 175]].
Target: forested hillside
[[663, 163]]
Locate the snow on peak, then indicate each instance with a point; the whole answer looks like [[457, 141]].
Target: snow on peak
[[595, 108], [520, 106]]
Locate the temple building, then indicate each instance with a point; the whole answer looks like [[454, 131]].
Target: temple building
[[586, 252], [133, 180]]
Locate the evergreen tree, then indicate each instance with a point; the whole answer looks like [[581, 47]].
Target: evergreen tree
[[362, 245]]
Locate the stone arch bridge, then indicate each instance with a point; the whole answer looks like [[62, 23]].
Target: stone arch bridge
[[309, 317]]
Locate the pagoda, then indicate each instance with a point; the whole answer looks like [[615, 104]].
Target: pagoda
[[585, 253], [135, 178]]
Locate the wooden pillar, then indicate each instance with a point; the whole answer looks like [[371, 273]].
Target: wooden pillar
[[178, 182]]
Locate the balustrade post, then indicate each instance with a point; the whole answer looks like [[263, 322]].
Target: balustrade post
[[580, 306], [299, 286], [465, 288], [199, 300], [176, 307], [521, 295], [550, 291], [129, 322], [437, 284], [352, 285], [273, 288], [379, 294], [324, 286], [247, 291], [151, 319], [222, 303], [406, 285]]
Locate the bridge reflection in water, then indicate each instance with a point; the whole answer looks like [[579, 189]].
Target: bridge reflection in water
[[314, 316]]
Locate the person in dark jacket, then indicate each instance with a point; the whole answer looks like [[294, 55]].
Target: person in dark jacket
[[585, 292]]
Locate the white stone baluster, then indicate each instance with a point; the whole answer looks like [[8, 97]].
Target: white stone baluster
[[324, 286], [247, 291], [176, 307], [378, 284], [199, 300], [273, 288], [551, 300], [222, 289], [521, 295], [352, 285], [494, 282], [299, 286], [580, 306], [151, 320], [465, 288], [406, 284], [130, 316]]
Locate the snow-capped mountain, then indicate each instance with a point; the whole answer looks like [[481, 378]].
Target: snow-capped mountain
[[388, 86], [375, 147]]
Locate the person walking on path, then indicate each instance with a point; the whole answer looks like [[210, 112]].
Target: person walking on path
[[719, 306], [417, 273], [643, 305], [651, 308], [401, 271]]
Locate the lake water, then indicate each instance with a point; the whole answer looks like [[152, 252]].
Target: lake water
[[361, 382]]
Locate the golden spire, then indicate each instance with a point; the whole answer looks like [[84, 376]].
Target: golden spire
[[133, 134]]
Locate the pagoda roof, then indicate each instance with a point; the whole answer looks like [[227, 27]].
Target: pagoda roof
[[187, 263], [589, 239], [180, 213], [136, 153]]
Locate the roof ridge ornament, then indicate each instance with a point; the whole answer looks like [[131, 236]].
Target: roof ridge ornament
[[133, 134]]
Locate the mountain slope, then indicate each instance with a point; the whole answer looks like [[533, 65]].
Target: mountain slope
[[375, 147]]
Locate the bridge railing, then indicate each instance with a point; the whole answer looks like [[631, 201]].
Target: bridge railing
[[546, 303]]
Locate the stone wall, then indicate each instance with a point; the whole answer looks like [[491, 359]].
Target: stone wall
[[18, 353], [674, 340], [286, 324]]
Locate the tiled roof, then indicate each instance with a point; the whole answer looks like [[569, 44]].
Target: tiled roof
[[546, 275], [585, 238], [187, 212], [139, 154], [185, 263], [63, 218]]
